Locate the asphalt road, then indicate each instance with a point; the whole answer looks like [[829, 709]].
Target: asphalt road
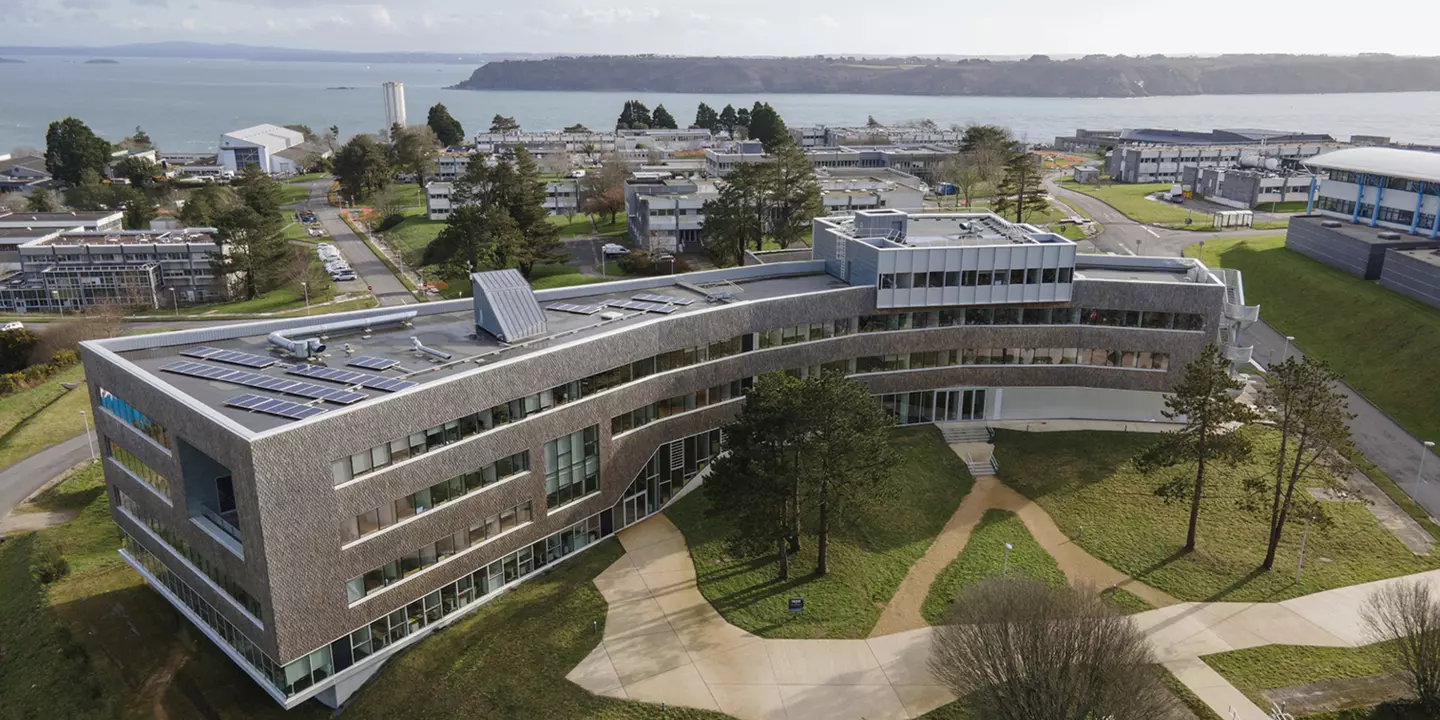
[[1124, 236], [23, 478], [372, 272]]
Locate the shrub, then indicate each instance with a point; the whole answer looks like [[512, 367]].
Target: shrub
[[11, 382], [64, 358], [639, 262], [49, 565], [389, 222]]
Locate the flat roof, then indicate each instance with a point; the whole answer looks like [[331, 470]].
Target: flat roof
[[1361, 231], [79, 216], [1188, 271], [452, 332], [1390, 162], [129, 237], [1429, 256]]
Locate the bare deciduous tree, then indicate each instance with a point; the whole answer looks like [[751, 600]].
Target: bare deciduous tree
[[1408, 613], [1019, 649]]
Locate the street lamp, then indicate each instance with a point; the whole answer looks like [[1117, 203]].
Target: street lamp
[[1424, 450], [1005, 565], [306, 286], [174, 300], [89, 441], [1285, 354]]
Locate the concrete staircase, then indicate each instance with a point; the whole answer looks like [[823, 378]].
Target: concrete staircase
[[971, 441], [965, 433]]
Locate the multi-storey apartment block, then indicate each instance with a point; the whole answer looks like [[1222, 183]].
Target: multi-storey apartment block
[[316, 494]]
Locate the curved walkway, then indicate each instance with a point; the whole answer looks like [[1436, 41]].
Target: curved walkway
[[664, 643], [904, 610]]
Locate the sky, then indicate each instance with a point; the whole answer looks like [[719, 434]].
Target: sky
[[739, 27]]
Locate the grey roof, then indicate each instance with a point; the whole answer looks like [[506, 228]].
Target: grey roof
[[1390, 162], [505, 305]]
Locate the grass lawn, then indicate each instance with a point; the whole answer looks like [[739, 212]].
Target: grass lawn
[[867, 560], [1187, 698], [289, 297], [1279, 666], [297, 231], [1086, 479], [1294, 206], [412, 236], [1369, 334], [28, 428], [293, 194], [307, 177], [983, 557], [545, 277], [580, 225], [1132, 201], [98, 643]]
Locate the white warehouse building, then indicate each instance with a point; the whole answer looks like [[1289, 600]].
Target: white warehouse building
[[277, 150]]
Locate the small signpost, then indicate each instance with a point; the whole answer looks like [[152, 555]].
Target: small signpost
[[797, 605]]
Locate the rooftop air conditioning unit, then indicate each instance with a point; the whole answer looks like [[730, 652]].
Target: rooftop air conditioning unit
[[1330, 224], [1389, 236]]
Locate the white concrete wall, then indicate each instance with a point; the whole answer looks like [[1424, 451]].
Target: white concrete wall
[[1065, 403]]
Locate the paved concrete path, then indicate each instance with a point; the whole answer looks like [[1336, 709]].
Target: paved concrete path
[[373, 273], [904, 610], [664, 642]]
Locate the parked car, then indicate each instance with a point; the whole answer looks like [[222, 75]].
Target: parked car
[[614, 249], [7, 327]]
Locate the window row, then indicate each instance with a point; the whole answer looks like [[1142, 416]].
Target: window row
[[136, 419], [419, 443], [445, 491], [805, 333], [642, 416], [1005, 356], [139, 469], [957, 317], [490, 579], [974, 278], [572, 466], [256, 658], [432, 553], [180, 547]]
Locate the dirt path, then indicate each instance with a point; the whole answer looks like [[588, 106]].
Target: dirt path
[[903, 611]]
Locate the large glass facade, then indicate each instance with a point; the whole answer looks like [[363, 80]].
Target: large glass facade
[[445, 491], [442, 549], [572, 467], [929, 406]]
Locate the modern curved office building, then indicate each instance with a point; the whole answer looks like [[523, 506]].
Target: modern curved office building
[[316, 493]]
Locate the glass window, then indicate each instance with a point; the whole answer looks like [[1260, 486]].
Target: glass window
[[967, 278], [887, 281], [902, 281], [1017, 277], [952, 278], [937, 280]]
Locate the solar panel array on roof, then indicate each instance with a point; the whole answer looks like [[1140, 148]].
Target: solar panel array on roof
[[641, 306], [264, 382], [662, 299], [350, 377], [577, 309], [372, 363], [231, 357], [273, 406]]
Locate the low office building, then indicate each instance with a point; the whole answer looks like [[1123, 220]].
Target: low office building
[[562, 197], [72, 270], [274, 149], [1087, 140], [1085, 174], [667, 214], [1167, 163], [1245, 188], [919, 160], [317, 494], [66, 220], [844, 191], [23, 173]]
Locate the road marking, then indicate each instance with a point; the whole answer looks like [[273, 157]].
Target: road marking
[[1152, 232], [1127, 250]]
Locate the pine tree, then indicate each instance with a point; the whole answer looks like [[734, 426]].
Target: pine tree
[[767, 126], [663, 120], [729, 120], [503, 125], [793, 193], [447, 129], [737, 215], [1210, 432], [705, 117], [539, 238], [71, 149], [1021, 189], [41, 200]]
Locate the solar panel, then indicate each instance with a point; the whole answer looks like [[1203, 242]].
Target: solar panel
[[232, 357], [273, 406], [373, 363], [641, 306], [662, 299], [264, 382], [350, 377], [576, 309]]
